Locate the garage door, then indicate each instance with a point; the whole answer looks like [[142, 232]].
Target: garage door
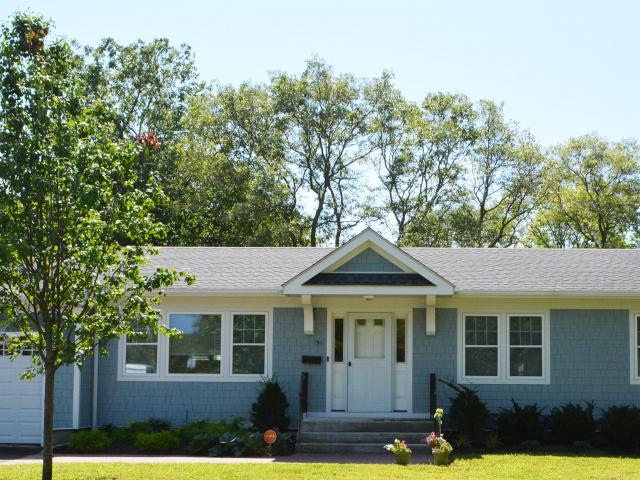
[[20, 401]]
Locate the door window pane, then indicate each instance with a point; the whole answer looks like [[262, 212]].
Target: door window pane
[[338, 340], [369, 338], [481, 345], [400, 340], [525, 346], [198, 350], [249, 344]]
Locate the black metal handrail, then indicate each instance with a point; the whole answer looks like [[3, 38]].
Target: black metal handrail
[[303, 397]]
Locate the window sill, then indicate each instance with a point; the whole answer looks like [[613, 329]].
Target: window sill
[[192, 378], [503, 381]]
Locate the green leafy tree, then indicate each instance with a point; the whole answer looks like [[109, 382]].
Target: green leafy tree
[[420, 153], [68, 190], [325, 139], [150, 85], [593, 196], [502, 187]]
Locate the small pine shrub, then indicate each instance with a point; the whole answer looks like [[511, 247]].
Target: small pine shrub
[[519, 424], [270, 408], [572, 423], [89, 441], [621, 426], [164, 441], [467, 412]]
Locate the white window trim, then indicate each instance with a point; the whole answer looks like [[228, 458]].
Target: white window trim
[[122, 355], [225, 374], [633, 348], [504, 376], [232, 344]]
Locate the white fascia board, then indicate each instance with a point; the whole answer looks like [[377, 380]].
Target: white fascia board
[[366, 290], [295, 285]]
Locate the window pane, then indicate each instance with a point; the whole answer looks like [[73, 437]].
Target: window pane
[[338, 340], [400, 340], [369, 339], [481, 362], [141, 359], [198, 350], [248, 359], [525, 362], [248, 328], [142, 334], [481, 330], [525, 330]]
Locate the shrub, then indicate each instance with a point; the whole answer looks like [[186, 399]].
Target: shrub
[[201, 443], [236, 445], [270, 408], [519, 424], [572, 423], [201, 427], [164, 441], [127, 435], [467, 412], [493, 442], [621, 426], [530, 445], [89, 441]]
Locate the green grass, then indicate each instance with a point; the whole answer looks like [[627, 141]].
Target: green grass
[[538, 467]]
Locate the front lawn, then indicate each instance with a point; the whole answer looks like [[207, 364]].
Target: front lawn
[[534, 467]]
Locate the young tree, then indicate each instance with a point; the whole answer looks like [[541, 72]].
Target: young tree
[[67, 190], [594, 196]]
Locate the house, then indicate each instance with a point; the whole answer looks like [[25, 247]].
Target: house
[[369, 323]]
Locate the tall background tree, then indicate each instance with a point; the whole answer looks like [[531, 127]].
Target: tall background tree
[[593, 196], [68, 190]]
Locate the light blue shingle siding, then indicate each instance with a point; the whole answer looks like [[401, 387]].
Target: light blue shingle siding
[[63, 398], [122, 402], [290, 343], [86, 392], [368, 261], [589, 352]]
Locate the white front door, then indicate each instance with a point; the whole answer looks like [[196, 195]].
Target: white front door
[[369, 363]]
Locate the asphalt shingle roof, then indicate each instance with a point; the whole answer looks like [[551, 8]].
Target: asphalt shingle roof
[[469, 269]]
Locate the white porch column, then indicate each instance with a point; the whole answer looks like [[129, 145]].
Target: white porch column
[[308, 314], [431, 314]]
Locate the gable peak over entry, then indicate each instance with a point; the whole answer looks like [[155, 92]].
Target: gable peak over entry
[[368, 265]]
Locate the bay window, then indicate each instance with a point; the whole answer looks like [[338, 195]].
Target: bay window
[[503, 348]]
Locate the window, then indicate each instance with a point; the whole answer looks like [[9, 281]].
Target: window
[[141, 352], [503, 348], [248, 344], [338, 341], [401, 340], [198, 350], [525, 346], [214, 346], [481, 346]]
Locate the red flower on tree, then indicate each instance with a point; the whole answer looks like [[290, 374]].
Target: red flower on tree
[[148, 139]]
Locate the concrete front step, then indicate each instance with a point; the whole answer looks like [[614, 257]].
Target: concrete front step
[[362, 437], [305, 447], [366, 425]]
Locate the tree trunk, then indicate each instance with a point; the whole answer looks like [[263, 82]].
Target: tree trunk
[[47, 450]]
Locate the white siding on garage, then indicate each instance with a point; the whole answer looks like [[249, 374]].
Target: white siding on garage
[[20, 403]]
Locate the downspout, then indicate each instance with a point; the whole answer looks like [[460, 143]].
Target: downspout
[[94, 393]]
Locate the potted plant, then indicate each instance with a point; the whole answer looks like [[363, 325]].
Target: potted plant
[[401, 451], [440, 448]]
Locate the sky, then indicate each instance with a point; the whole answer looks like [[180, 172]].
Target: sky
[[562, 68]]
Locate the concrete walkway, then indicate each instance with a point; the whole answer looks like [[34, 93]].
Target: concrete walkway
[[365, 458]]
